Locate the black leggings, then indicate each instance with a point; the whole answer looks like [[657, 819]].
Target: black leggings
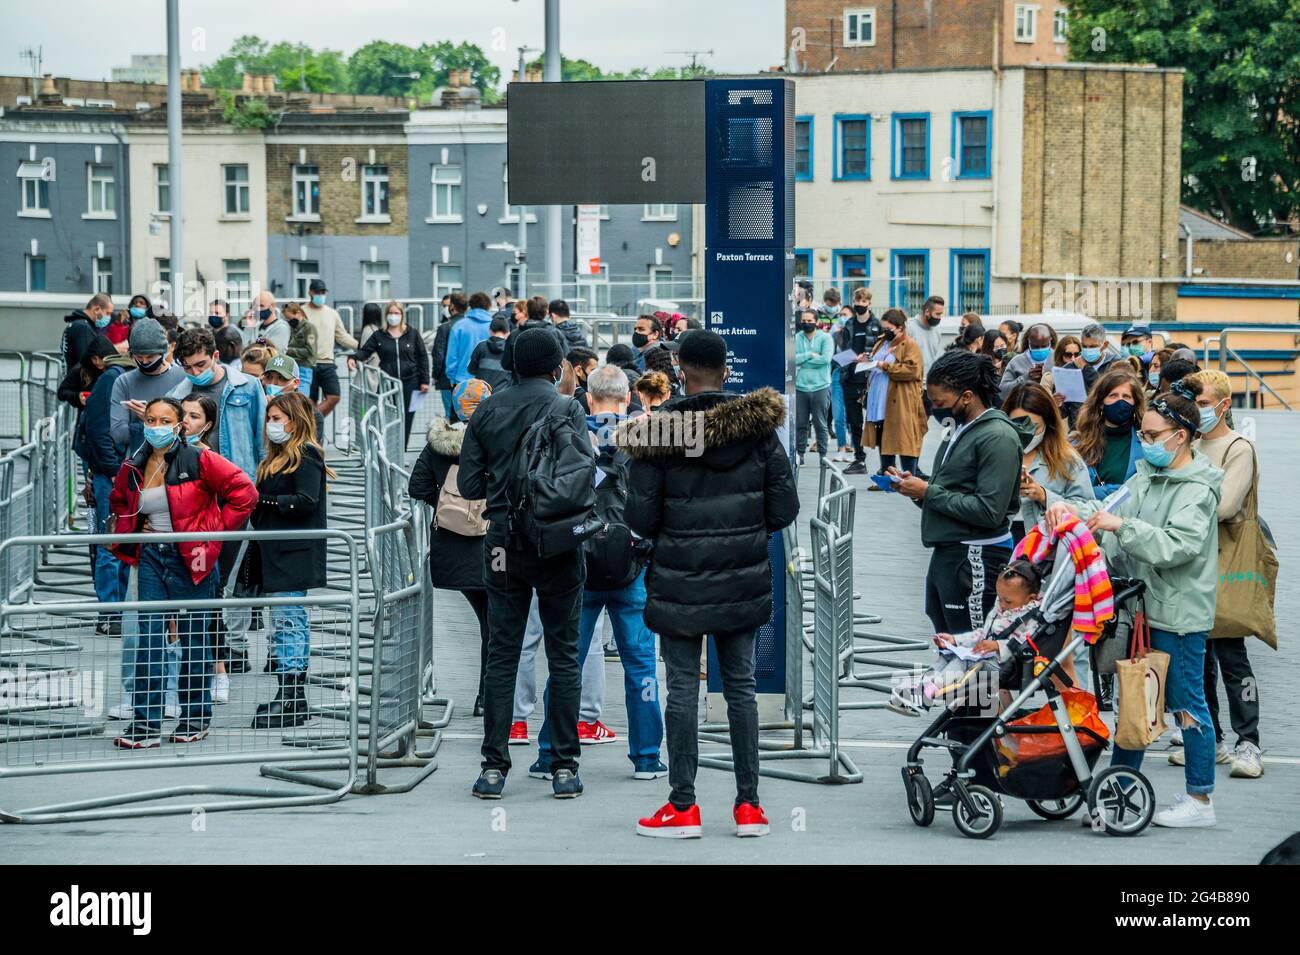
[[908, 463], [478, 602]]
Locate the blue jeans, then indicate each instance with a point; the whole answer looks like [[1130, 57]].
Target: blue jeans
[[636, 650], [837, 410], [111, 574], [1184, 693], [163, 575], [291, 636]]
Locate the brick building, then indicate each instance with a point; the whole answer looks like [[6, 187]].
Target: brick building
[[842, 35]]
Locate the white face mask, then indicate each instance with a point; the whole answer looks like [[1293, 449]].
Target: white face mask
[[394, 318], [277, 432], [1035, 441]]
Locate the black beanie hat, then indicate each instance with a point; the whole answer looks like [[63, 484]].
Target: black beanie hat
[[537, 352]]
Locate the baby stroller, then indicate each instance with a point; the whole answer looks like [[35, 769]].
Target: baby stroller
[[984, 747]]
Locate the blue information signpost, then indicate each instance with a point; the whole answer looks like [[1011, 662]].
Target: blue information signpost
[[748, 274]]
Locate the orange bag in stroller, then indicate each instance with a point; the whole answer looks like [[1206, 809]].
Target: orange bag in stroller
[[1025, 747]]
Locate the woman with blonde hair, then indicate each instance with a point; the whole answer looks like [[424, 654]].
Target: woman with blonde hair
[[653, 390], [291, 488]]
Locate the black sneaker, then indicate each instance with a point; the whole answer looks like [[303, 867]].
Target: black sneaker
[[566, 784], [186, 732], [490, 784], [111, 627], [857, 467], [138, 736]]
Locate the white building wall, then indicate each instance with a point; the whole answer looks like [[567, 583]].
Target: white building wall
[[937, 214], [211, 237]]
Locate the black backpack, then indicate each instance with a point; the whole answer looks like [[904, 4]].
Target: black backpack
[[550, 490], [614, 556]]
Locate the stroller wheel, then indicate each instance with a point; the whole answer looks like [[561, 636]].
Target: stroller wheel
[[988, 820], [920, 797], [1121, 800], [1056, 809]]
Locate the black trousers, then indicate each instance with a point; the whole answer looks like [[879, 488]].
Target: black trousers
[[512, 574], [854, 413], [1228, 654], [961, 585]]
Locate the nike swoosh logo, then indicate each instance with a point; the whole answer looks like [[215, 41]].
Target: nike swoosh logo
[[668, 818]]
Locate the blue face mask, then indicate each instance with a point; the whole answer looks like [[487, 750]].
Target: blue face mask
[[136, 311], [1154, 378], [103, 320], [273, 390], [1136, 350], [265, 313], [1040, 355], [192, 439], [216, 321], [318, 300], [1157, 455], [203, 379], [1209, 419], [1091, 355], [160, 437]]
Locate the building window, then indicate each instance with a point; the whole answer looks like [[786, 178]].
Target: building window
[[99, 181], [802, 263], [860, 27], [512, 212], [970, 281], [911, 145], [306, 192], [516, 280], [304, 270], [909, 279], [101, 275], [972, 146], [239, 284], [36, 273], [376, 282], [237, 193], [852, 147], [661, 281], [659, 212], [163, 269], [36, 191], [446, 279], [162, 190], [374, 192], [852, 270], [803, 148], [448, 194], [1060, 25], [1026, 22]]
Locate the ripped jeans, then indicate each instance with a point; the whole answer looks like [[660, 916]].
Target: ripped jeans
[[1184, 693]]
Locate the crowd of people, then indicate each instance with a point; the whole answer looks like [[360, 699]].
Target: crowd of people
[[561, 485]]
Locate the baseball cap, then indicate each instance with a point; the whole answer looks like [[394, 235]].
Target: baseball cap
[[317, 285], [282, 365]]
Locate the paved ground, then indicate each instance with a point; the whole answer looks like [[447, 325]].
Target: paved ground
[[860, 823]]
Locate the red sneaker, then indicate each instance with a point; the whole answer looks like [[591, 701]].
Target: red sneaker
[[750, 821], [670, 823], [591, 733], [519, 734]]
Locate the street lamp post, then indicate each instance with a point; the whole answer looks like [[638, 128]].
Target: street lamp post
[[174, 172], [554, 227]]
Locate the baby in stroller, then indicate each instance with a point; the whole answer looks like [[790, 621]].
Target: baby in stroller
[[962, 655]]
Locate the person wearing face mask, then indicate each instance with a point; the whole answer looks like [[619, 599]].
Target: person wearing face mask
[[859, 335], [402, 355], [1096, 352], [813, 350], [263, 323], [237, 431], [1051, 470], [924, 330], [330, 333], [974, 491], [290, 497], [139, 307], [218, 314], [84, 325], [1106, 434], [1234, 455], [280, 374], [1034, 362], [302, 342], [154, 375], [169, 486], [1137, 343], [1165, 535], [995, 346], [900, 428]]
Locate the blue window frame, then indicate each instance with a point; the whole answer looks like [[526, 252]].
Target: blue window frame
[[803, 263], [968, 289], [852, 146], [852, 270], [911, 146], [803, 148], [909, 279], [972, 145]]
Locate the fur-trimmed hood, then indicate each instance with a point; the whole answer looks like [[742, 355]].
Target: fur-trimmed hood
[[446, 439], [716, 427]]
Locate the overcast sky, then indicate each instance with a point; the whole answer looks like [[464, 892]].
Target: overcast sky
[[86, 38]]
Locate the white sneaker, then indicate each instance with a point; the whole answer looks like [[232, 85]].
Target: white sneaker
[[1186, 813], [220, 688], [122, 711], [1176, 736], [1222, 755], [1246, 761], [172, 711]]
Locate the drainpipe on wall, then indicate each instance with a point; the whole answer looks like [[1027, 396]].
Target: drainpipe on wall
[[1188, 269], [126, 211], [994, 244]]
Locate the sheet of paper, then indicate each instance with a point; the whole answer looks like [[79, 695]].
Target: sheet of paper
[[964, 653], [864, 366], [844, 357], [417, 399], [1069, 382], [599, 477]]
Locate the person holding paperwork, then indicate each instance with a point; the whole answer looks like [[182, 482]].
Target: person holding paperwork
[[1033, 362], [895, 410], [401, 354]]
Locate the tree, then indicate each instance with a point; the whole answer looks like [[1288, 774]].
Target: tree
[[325, 70], [578, 71], [1241, 141], [384, 68]]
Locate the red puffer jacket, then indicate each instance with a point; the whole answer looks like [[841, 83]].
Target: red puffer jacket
[[205, 492]]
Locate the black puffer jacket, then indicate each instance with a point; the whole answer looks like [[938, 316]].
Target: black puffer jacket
[[710, 513], [455, 561], [289, 501]]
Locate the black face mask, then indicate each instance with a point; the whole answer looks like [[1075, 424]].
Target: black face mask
[[216, 321], [932, 322], [944, 415], [265, 313], [999, 353], [640, 339], [861, 309], [888, 334], [152, 366], [808, 326]]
